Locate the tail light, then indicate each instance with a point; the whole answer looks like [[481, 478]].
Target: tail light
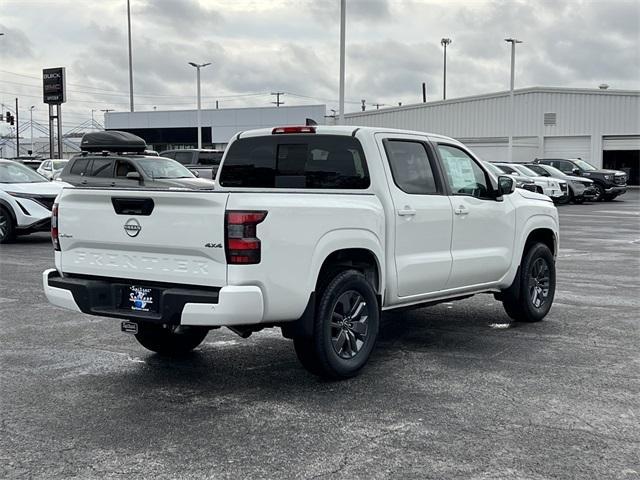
[[54, 227], [242, 244]]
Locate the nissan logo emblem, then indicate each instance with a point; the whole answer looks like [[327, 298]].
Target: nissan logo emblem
[[132, 227]]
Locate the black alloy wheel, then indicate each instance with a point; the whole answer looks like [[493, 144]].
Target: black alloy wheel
[[7, 229]]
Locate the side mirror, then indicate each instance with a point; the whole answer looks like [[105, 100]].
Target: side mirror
[[196, 173], [134, 176], [506, 185], [575, 171]]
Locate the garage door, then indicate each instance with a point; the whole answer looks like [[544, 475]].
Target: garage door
[[567, 147], [621, 143]]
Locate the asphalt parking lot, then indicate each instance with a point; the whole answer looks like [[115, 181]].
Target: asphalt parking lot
[[452, 391]]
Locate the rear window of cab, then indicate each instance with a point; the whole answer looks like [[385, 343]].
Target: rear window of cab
[[296, 161]]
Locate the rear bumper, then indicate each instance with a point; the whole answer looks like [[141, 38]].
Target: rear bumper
[[178, 304]]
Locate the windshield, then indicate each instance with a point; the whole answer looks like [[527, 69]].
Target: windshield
[[18, 173], [553, 171], [59, 164], [507, 169], [163, 168], [526, 171], [584, 165], [493, 169]]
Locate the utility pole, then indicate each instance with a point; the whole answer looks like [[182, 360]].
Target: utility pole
[[343, 25], [424, 92], [444, 42], [378, 105], [364, 104], [17, 132], [277, 103], [130, 57], [513, 42], [216, 104]]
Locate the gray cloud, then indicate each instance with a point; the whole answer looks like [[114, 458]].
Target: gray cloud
[[14, 43]]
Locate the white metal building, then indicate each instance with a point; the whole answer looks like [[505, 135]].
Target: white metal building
[[600, 126], [178, 128]]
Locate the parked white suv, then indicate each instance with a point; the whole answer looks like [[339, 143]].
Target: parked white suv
[[315, 230], [26, 199]]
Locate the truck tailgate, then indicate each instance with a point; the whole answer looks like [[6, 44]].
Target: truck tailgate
[[162, 236]]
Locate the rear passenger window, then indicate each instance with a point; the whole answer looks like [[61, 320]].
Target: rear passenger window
[[296, 161], [101, 167], [185, 158], [79, 166], [410, 166], [209, 158]]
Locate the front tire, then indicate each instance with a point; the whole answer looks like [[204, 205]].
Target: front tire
[[345, 328], [170, 341], [7, 227], [530, 297], [599, 195]]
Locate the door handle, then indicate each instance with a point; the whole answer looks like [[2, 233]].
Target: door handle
[[461, 210], [406, 212], [113, 184], [83, 182]]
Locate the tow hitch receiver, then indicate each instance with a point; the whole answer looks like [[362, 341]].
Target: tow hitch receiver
[[129, 327]]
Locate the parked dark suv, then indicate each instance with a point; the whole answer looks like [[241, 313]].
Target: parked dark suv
[[608, 184], [119, 159], [204, 161]]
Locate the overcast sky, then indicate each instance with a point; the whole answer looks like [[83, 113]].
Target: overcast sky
[[258, 47]]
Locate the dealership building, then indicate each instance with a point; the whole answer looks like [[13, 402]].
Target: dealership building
[[169, 129], [599, 126]]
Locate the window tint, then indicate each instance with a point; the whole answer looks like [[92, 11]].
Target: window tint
[[296, 161], [209, 158], [79, 166], [101, 167], [410, 166], [463, 174], [185, 158]]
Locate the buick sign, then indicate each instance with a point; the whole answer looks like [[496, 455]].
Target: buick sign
[[54, 86], [132, 227]]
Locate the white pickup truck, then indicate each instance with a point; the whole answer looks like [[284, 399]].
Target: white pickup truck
[[316, 230]]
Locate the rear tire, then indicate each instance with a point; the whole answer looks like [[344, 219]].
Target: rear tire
[[345, 328], [530, 297], [170, 341], [609, 198], [7, 227]]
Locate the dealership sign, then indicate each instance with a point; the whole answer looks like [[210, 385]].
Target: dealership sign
[[54, 86]]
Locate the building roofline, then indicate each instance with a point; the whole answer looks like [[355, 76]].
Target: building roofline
[[505, 93], [189, 110]]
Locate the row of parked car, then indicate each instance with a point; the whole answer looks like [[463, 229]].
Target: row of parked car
[[564, 180], [121, 160]]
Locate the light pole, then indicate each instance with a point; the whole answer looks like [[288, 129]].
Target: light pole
[[513, 42], [444, 42], [343, 25], [198, 67], [31, 108], [130, 57]]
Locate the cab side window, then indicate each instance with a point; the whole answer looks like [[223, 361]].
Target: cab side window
[[101, 167], [123, 167], [185, 158], [463, 174], [411, 167], [79, 166]]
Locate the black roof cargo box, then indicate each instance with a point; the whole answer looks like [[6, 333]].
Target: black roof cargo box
[[112, 141]]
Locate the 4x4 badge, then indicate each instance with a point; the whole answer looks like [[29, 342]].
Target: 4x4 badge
[[213, 245], [132, 227]]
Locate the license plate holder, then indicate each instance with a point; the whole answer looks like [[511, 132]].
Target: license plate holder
[[137, 298]]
